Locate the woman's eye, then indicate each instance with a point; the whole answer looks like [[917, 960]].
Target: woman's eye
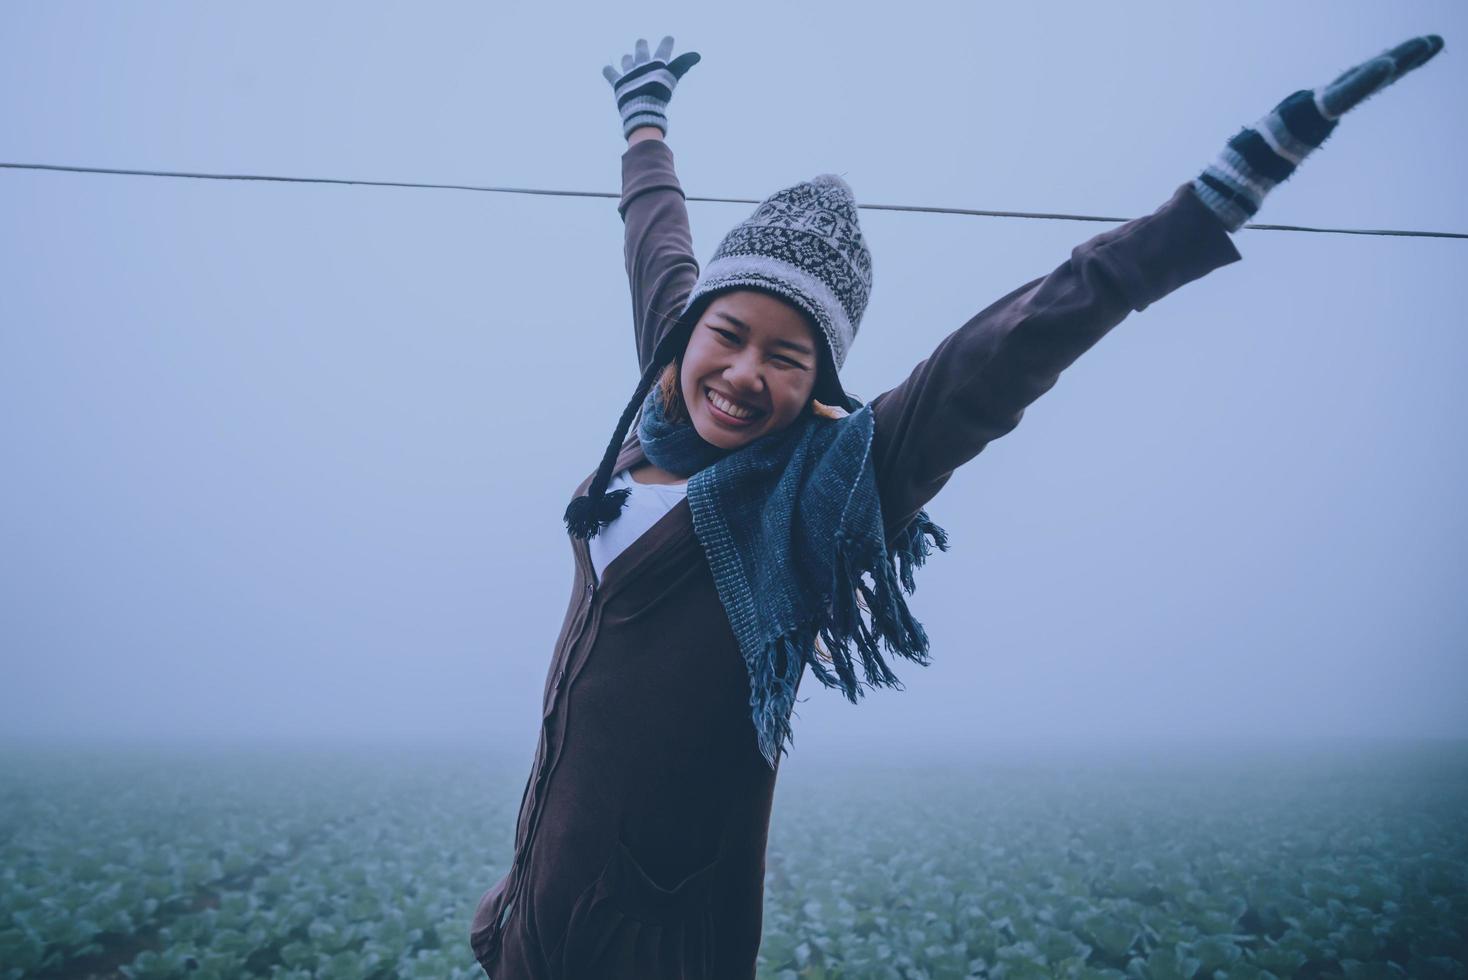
[[734, 338]]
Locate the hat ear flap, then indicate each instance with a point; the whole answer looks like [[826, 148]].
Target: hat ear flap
[[671, 344], [828, 389]]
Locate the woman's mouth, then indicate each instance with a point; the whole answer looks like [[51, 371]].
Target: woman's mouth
[[727, 413]]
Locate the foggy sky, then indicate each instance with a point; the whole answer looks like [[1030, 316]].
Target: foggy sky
[[290, 460]]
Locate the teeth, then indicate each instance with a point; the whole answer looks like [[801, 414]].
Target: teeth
[[724, 405]]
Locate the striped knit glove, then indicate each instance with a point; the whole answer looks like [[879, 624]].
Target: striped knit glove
[[645, 84], [1234, 185]]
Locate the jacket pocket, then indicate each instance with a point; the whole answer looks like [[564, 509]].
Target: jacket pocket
[[627, 924]]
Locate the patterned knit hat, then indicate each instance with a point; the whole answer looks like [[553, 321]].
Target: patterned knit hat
[[802, 244]]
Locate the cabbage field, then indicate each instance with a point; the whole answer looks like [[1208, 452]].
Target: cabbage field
[[354, 864]]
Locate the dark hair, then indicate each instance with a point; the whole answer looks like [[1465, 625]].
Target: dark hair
[[671, 393]]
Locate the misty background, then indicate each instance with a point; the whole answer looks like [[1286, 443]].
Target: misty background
[[287, 461]]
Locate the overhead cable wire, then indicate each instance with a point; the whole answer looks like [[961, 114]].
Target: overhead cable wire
[[719, 200]]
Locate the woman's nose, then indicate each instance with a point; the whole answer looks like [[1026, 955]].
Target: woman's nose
[[744, 373]]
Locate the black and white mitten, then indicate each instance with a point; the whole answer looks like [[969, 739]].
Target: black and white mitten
[[1261, 156], [646, 83]]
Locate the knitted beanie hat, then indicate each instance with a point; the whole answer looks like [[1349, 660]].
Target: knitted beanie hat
[[802, 244]]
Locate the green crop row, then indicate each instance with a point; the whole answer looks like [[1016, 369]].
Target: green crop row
[[365, 867]]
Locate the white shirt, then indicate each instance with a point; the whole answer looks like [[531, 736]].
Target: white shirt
[[644, 508]]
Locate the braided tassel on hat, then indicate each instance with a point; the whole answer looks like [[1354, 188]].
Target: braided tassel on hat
[[594, 510]]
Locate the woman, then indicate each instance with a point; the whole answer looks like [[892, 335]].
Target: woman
[[726, 544]]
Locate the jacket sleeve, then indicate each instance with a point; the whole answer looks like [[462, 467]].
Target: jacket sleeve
[[661, 269], [976, 385]]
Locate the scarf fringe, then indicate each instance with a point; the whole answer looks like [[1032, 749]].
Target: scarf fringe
[[772, 694]]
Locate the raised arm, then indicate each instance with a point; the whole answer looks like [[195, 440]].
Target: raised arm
[[658, 246], [976, 385]]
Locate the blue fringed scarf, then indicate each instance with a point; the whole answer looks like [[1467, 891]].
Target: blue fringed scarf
[[790, 523]]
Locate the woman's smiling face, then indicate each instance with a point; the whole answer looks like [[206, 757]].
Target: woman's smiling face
[[756, 352]]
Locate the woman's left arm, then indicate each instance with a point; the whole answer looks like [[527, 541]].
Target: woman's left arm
[[657, 243], [977, 384]]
